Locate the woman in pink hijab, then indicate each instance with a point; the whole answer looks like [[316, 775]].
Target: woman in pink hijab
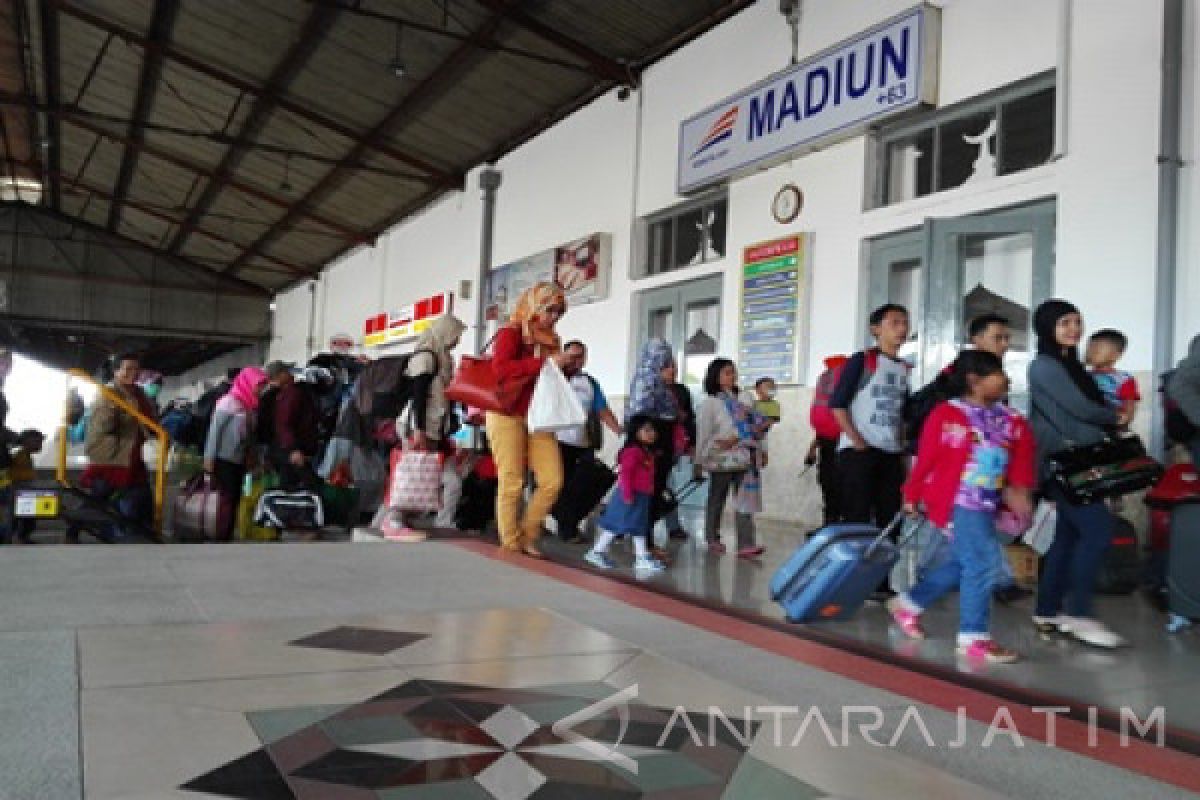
[[228, 451]]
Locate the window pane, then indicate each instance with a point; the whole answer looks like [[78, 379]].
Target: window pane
[[702, 323], [997, 278], [661, 326], [716, 230], [909, 168], [904, 287], [689, 238], [659, 257], [967, 150], [1028, 132]]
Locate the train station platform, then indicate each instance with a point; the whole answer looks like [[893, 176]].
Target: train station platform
[[446, 670]]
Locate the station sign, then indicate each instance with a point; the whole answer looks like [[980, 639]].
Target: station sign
[[831, 96], [408, 322]]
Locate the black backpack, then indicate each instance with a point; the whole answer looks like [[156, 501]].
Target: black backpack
[[920, 405], [389, 405], [1179, 428], [203, 410], [264, 431]]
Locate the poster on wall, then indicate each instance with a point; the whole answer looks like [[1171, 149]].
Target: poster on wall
[[773, 282], [581, 267], [497, 295]]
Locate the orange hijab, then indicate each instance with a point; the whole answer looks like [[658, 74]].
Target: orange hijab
[[528, 316]]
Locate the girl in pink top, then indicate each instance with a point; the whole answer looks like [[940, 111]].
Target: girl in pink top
[[628, 509]]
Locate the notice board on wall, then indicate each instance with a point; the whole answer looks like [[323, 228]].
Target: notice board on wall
[[774, 289], [580, 267]]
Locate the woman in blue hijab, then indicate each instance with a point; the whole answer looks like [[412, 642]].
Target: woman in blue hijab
[[651, 395]]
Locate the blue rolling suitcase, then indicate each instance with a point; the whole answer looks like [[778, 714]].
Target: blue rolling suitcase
[[834, 572]]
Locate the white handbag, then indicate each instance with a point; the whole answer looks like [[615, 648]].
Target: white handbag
[[1041, 533], [554, 406]]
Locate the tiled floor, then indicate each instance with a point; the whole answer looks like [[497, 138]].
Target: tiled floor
[[1159, 669], [500, 705]]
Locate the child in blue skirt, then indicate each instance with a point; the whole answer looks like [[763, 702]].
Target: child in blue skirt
[[628, 510]]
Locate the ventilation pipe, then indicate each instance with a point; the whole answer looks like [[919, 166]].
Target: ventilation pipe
[[489, 182], [1062, 80], [1170, 160]]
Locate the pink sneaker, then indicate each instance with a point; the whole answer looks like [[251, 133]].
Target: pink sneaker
[[394, 530], [987, 650], [716, 548], [751, 552], [908, 621]]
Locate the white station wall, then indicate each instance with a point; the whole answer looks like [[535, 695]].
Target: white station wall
[[600, 169]]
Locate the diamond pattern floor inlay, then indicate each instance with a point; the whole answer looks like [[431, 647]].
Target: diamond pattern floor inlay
[[450, 733], [350, 639], [494, 705]]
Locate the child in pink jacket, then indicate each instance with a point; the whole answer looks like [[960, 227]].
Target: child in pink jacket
[[628, 509], [975, 454]]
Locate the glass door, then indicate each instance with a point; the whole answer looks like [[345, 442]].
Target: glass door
[[688, 317], [953, 270], [897, 276], [1000, 263]]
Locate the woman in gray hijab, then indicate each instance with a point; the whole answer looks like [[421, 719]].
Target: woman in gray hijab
[[431, 368]]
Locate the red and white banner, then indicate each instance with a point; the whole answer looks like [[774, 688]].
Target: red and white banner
[[408, 322]]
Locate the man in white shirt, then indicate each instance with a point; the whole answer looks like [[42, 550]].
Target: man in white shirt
[[578, 445]]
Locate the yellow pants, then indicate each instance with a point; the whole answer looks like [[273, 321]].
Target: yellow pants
[[514, 449]]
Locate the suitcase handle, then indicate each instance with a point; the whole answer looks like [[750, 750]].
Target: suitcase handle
[[897, 522]]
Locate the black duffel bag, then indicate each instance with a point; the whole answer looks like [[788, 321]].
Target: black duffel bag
[[1114, 466]]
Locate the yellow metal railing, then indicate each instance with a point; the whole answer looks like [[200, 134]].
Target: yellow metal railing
[[164, 442]]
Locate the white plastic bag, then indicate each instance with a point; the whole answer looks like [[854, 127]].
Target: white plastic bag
[[554, 406], [921, 551], [1041, 534]]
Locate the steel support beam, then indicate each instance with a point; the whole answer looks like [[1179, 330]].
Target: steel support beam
[[161, 25], [215, 73], [48, 14], [602, 65], [174, 159], [113, 329], [320, 19], [423, 92], [179, 261], [50, 273], [353, 235], [100, 191]]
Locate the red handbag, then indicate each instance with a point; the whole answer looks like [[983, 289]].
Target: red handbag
[[475, 383]]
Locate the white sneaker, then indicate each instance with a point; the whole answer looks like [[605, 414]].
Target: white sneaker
[[1055, 624], [1092, 631], [648, 564]]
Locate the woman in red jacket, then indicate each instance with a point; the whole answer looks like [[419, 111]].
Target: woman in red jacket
[[519, 350], [975, 454]]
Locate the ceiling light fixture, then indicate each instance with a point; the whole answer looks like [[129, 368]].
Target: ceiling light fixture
[[396, 65]]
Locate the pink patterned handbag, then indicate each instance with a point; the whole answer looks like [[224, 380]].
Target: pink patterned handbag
[[416, 483], [196, 510]]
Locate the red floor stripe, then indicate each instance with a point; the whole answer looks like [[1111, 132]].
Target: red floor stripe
[[1160, 763]]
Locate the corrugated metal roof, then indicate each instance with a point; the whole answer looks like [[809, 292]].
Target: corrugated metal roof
[[324, 145]]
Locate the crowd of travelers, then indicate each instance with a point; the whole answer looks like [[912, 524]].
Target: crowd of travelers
[[954, 452]]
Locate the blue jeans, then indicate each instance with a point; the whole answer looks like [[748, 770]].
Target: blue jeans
[[1005, 578], [971, 566], [1081, 538]]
